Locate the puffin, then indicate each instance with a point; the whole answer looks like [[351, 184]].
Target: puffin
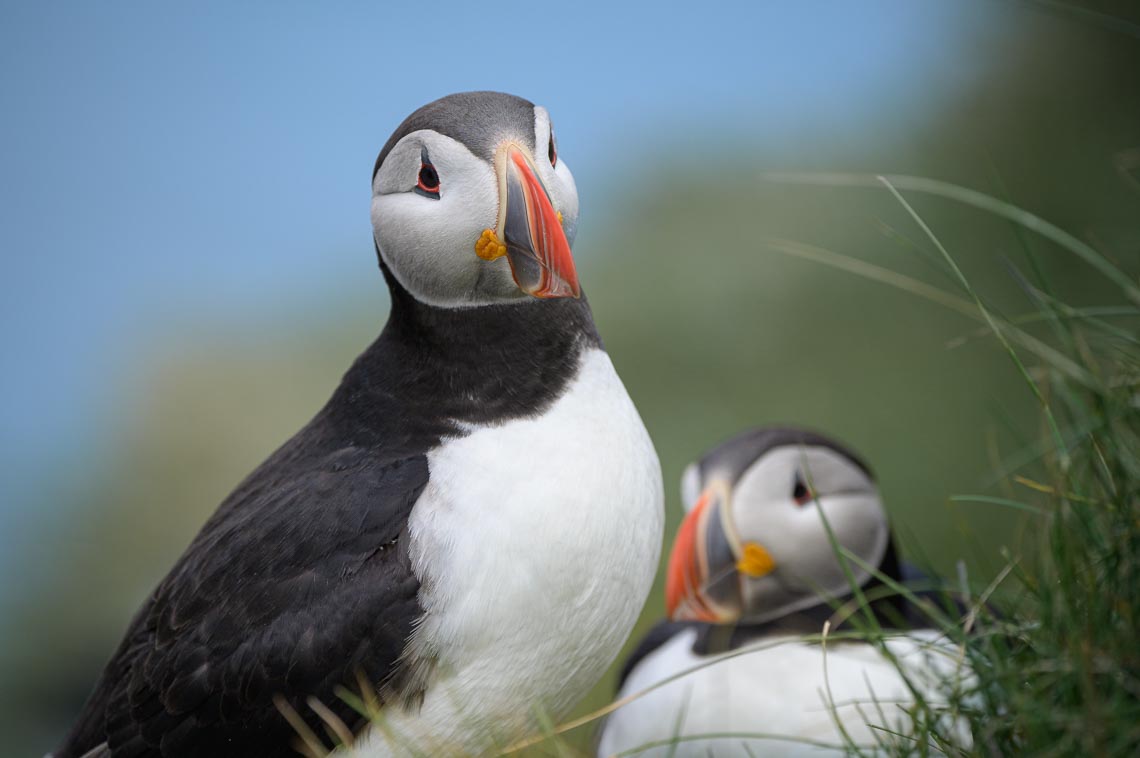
[[752, 573], [463, 536]]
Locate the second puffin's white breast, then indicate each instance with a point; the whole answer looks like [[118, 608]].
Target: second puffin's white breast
[[536, 542], [780, 698]]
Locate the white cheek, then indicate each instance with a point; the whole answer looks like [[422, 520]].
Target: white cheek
[[860, 524], [419, 244], [774, 523], [429, 244], [858, 527], [565, 193]]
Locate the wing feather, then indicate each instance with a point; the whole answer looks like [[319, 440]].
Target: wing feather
[[298, 584]]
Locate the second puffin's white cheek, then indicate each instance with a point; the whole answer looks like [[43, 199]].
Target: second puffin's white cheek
[[860, 525], [771, 478], [855, 521], [794, 537]]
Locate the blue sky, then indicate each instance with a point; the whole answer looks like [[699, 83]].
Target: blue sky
[[166, 163]]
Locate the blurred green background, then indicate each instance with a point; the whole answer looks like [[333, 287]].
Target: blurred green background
[[710, 325]]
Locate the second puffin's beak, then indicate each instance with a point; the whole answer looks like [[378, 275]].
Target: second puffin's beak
[[709, 563], [531, 230]]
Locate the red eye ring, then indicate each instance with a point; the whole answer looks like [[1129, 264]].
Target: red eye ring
[[427, 183]]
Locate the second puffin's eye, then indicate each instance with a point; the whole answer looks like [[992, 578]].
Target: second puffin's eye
[[427, 183], [553, 151], [801, 493]]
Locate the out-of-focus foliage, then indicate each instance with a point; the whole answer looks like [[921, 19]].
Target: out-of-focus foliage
[[711, 328]]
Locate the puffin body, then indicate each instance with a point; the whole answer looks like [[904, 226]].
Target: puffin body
[[586, 555], [773, 699], [467, 530], [752, 573]]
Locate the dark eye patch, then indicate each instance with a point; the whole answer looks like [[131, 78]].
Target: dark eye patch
[[801, 493]]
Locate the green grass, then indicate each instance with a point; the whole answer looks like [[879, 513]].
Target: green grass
[[1051, 640]]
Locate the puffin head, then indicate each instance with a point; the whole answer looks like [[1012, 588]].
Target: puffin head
[[472, 204], [754, 544]]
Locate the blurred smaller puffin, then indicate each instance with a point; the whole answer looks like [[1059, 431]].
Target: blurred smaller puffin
[[752, 572]]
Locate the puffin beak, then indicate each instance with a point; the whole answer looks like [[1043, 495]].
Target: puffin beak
[[536, 246], [709, 564]]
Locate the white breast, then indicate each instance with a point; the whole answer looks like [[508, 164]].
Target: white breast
[[777, 695], [536, 542]]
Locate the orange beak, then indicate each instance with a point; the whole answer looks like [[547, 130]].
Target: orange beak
[[688, 568], [536, 245], [710, 565]]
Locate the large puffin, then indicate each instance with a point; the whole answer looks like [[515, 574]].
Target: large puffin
[[470, 526], [752, 572]]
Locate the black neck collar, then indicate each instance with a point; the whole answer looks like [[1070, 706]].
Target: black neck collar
[[525, 325], [433, 370]]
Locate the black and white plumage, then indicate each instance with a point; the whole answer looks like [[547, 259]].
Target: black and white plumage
[[470, 525], [753, 569]]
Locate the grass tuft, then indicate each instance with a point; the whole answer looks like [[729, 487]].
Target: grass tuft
[[1050, 644]]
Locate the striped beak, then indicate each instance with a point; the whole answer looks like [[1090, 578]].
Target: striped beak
[[709, 564], [536, 245]]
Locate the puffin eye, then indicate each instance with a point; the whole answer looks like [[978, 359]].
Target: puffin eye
[[801, 493], [553, 151], [427, 183]]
